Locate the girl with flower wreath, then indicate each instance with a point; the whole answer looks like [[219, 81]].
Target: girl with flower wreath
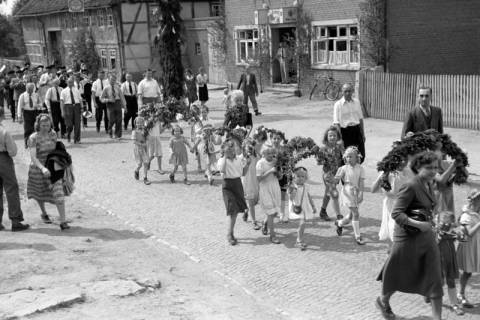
[[352, 175]]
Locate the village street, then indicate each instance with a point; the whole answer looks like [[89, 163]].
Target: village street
[[333, 279]]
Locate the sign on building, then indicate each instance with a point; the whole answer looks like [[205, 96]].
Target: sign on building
[[276, 16], [76, 5]]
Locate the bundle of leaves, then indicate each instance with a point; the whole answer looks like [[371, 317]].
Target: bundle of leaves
[[296, 150], [177, 106], [432, 140], [237, 116], [153, 113]]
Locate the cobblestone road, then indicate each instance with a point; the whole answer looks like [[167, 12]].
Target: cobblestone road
[[333, 279]]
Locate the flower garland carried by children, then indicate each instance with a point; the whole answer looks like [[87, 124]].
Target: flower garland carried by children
[[164, 112]]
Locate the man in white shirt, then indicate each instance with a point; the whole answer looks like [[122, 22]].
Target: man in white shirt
[[52, 101], [71, 106], [113, 97], [148, 90], [348, 116], [129, 90], [29, 107], [100, 107]]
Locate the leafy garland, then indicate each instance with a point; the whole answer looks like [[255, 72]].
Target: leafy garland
[[418, 142], [164, 112]]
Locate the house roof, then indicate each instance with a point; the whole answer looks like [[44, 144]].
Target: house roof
[[43, 7]]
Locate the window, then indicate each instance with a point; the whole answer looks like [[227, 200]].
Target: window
[[113, 58], [74, 20], [110, 19], [103, 57], [246, 45], [101, 19], [198, 49], [335, 45], [86, 21], [216, 9]]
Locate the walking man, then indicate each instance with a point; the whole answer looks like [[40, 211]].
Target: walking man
[[423, 116], [348, 116], [100, 107], [29, 107], [248, 84], [52, 101], [8, 179], [148, 90], [129, 90], [71, 106], [113, 97]]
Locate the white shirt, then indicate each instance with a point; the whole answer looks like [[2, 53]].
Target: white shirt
[[24, 102], [347, 113], [126, 88], [233, 168], [149, 89], [65, 96], [97, 87], [44, 79], [51, 96]]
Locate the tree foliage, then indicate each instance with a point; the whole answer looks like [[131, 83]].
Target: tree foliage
[[169, 43], [372, 25], [11, 36], [83, 49]]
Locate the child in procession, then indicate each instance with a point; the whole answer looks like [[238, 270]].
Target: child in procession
[[154, 144], [277, 141], [250, 182], [140, 150], [179, 155]]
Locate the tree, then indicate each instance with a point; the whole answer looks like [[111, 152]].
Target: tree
[[11, 36], [372, 24], [83, 49], [169, 45]]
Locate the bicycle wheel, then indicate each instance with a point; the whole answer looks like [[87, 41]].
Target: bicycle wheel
[[332, 91], [316, 93]]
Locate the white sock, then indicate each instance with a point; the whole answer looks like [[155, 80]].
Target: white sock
[[356, 228]]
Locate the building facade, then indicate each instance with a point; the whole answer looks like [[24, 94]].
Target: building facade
[[124, 32], [433, 36], [331, 44]]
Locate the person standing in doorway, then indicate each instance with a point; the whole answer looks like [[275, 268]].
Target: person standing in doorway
[[100, 107], [113, 97], [348, 117], [71, 106], [202, 79], [248, 84], [129, 90], [282, 60], [148, 90], [52, 101]]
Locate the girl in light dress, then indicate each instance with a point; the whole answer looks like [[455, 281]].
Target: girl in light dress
[[397, 180], [468, 252], [154, 144], [250, 182], [277, 143], [352, 175], [179, 155], [269, 191], [196, 134], [299, 195], [140, 150], [202, 79]]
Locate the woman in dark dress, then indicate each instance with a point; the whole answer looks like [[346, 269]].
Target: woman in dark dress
[[413, 265], [190, 87], [202, 80]]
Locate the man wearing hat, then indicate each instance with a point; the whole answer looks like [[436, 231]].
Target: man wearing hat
[[52, 101], [29, 106], [71, 106], [100, 107]]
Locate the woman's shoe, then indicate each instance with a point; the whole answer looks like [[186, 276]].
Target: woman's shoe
[[274, 240], [463, 301], [385, 309], [264, 228], [231, 239], [339, 228], [146, 181], [136, 175], [256, 225], [46, 219], [172, 177], [64, 226], [458, 310], [186, 182]]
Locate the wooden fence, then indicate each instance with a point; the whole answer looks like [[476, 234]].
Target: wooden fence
[[391, 95]]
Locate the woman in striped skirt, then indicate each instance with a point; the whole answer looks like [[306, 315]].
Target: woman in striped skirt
[[39, 186]]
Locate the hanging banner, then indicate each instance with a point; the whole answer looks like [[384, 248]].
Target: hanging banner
[[76, 5]]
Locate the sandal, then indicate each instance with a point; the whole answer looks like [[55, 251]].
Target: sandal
[[458, 310], [274, 240], [463, 301], [264, 228], [46, 219], [256, 225], [301, 245]]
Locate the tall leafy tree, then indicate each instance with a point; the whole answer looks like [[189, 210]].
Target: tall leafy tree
[[83, 49], [169, 43]]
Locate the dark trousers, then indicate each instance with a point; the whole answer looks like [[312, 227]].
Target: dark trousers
[[13, 110], [88, 101], [352, 136], [250, 94], [29, 117], [8, 182], [100, 110], [114, 110], [131, 112], [72, 120], [58, 122]]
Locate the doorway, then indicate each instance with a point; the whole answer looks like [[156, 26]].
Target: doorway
[[54, 41], [284, 66]]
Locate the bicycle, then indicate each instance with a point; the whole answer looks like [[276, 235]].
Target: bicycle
[[326, 85]]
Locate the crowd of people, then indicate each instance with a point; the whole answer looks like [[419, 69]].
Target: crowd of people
[[418, 215]]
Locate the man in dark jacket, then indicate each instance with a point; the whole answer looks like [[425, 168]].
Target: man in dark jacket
[[423, 116], [248, 84]]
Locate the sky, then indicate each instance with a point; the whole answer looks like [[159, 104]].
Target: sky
[[6, 7]]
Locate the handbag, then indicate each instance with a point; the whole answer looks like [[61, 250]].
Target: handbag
[[298, 209], [422, 215]]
